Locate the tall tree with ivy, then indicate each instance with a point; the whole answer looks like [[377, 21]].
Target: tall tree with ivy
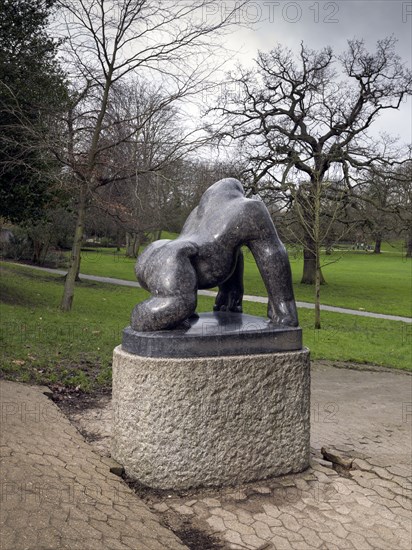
[[32, 86]]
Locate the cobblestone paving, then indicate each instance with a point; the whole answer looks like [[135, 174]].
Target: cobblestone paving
[[366, 416], [363, 415], [56, 493]]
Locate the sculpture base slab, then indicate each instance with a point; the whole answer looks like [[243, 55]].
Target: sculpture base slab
[[214, 334], [210, 421]]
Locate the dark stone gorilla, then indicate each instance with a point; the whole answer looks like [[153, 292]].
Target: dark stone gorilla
[[207, 254]]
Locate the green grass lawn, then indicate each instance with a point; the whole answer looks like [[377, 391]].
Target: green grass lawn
[[355, 279], [43, 345]]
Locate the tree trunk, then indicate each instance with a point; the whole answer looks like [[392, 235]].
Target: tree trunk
[[119, 240], [77, 278], [409, 246], [309, 264], [44, 252], [378, 243], [136, 245], [73, 272], [132, 245], [74, 268], [37, 246], [318, 276], [316, 247]]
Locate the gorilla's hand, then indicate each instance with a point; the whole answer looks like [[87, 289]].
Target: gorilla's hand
[[228, 300], [283, 313]]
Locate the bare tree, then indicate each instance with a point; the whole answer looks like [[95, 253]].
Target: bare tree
[[323, 215], [108, 42], [378, 204], [405, 214], [381, 201], [398, 208], [309, 119], [143, 169]]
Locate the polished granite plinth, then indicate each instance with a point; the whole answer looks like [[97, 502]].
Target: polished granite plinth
[[214, 334]]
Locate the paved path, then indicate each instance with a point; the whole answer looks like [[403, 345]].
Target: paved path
[[363, 415], [360, 414], [246, 297], [56, 493]]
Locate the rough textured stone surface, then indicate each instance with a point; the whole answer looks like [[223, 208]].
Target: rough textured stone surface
[[206, 254], [180, 423]]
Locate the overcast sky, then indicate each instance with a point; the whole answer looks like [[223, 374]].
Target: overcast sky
[[321, 23]]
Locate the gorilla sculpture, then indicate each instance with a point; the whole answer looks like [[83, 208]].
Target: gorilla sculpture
[[207, 254]]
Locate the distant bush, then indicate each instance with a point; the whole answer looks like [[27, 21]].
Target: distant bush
[[17, 247], [36, 244]]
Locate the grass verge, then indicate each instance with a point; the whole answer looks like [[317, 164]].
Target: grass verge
[[45, 346], [355, 279]]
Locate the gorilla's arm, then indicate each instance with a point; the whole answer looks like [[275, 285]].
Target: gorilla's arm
[[273, 263]]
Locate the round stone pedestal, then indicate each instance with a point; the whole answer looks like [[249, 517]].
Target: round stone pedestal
[[210, 421]]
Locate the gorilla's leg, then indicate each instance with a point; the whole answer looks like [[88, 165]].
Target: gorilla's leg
[[230, 295], [174, 290], [163, 312]]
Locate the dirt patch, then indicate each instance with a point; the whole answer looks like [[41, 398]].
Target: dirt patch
[[90, 414], [195, 539], [73, 401]]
